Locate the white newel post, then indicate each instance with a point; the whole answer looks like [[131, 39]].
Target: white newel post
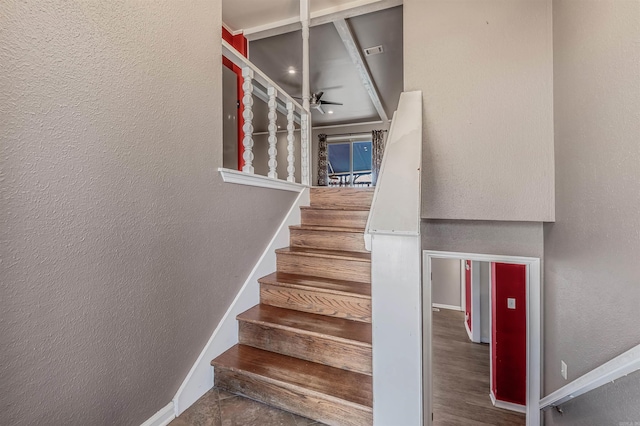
[[291, 159], [273, 128], [305, 119], [247, 101]]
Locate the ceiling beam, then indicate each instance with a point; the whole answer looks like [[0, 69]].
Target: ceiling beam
[[319, 17], [347, 37]]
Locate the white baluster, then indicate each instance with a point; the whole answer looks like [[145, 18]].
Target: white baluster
[[273, 128], [247, 101], [304, 149], [291, 168]]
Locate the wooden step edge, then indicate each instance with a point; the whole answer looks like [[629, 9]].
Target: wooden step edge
[[296, 388], [326, 229], [327, 254], [306, 332], [282, 283], [356, 208]]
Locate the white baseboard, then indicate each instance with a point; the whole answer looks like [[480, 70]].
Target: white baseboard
[[162, 417], [507, 405], [200, 377], [450, 307], [469, 333]]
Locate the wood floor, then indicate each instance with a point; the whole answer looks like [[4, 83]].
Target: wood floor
[[461, 377]]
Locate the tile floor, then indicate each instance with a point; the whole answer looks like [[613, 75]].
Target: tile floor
[[220, 408]]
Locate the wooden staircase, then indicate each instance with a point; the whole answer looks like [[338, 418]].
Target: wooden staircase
[[306, 348]]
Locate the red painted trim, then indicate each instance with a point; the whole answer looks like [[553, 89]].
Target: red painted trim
[[509, 339], [239, 42]]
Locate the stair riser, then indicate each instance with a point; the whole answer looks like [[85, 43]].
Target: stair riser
[[341, 218], [341, 197], [294, 399], [329, 304], [308, 347], [327, 240], [339, 269]]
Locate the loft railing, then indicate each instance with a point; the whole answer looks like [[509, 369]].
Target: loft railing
[[608, 372], [256, 83], [393, 236]]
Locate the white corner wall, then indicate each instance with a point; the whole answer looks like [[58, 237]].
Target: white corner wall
[[486, 70]]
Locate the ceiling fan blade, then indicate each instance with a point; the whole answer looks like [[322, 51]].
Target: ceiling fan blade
[[319, 95], [319, 108], [331, 103]]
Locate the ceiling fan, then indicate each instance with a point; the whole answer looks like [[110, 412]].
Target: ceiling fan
[[316, 102]]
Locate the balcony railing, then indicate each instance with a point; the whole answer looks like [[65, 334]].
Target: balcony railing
[[256, 83]]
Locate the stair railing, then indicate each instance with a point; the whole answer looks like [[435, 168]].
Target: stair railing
[[393, 236], [256, 83], [618, 367]]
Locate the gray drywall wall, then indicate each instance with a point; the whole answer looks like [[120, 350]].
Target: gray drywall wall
[[355, 129], [592, 287], [261, 155], [120, 247], [485, 70], [445, 284], [229, 119], [485, 296], [485, 237]]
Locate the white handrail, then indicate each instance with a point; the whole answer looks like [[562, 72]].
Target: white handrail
[[236, 57], [618, 367]]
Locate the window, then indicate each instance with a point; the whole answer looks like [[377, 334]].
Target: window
[[349, 163]]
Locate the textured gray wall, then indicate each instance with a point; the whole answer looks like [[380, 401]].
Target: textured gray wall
[[592, 270], [485, 69], [445, 285], [469, 236], [120, 247]]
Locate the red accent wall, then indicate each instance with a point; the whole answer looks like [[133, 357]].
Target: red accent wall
[[239, 42], [467, 293], [509, 333]]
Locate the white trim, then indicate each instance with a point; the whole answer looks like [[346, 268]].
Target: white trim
[[350, 43], [618, 367], [200, 377], [338, 126], [534, 315], [449, 307], [250, 179], [466, 327], [519, 408], [233, 32], [319, 17], [163, 417]]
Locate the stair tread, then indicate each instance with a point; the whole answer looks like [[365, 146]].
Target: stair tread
[[354, 288], [334, 254], [353, 332], [337, 208], [348, 386], [327, 228]]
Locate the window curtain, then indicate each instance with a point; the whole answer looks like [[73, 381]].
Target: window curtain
[[323, 162], [377, 150]]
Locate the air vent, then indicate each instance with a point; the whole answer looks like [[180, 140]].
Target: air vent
[[375, 50]]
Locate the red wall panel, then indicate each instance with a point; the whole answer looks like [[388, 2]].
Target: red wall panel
[[509, 333], [239, 42], [467, 294]]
